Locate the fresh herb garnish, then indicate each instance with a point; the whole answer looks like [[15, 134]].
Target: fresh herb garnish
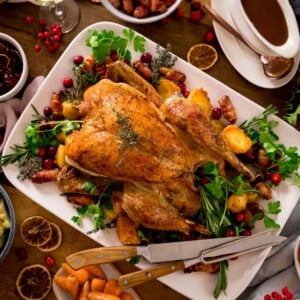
[[261, 130], [164, 58], [274, 209], [214, 195], [102, 43], [221, 285]]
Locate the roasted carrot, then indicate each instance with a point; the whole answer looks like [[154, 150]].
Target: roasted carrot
[[68, 283], [112, 287], [102, 296], [98, 284], [95, 271], [82, 275]]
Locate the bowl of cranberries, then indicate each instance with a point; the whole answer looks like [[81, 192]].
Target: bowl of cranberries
[[13, 67]]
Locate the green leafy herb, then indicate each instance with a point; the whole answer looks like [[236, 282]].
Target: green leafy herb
[[261, 130], [274, 209], [221, 285], [90, 187], [103, 42]]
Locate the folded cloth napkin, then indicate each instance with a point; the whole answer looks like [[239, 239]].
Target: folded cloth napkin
[[278, 270], [12, 108]]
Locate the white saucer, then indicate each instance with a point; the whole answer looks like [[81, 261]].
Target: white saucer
[[246, 62]]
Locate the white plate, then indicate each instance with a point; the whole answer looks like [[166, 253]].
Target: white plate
[[109, 270], [296, 256], [48, 196], [246, 62]]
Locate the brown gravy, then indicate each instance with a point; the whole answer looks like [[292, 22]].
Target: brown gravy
[[268, 18]]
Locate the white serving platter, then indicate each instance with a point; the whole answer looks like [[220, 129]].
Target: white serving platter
[[47, 195]]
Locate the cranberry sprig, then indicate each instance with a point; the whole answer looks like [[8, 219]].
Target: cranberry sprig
[[49, 38], [285, 294]]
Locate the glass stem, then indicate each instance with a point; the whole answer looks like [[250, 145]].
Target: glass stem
[[59, 12]]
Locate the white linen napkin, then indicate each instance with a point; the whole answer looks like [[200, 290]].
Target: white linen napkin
[[11, 109]]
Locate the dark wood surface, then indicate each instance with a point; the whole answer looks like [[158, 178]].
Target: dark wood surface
[[181, 34]]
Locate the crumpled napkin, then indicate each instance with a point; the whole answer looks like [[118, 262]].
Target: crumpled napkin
[[11, 109], [278, 270]]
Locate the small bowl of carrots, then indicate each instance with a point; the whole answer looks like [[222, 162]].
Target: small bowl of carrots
[[90, 283]]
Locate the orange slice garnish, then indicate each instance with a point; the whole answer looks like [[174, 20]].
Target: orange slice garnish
[[202, 56], [34, 282], [36, 231], [55, 240]]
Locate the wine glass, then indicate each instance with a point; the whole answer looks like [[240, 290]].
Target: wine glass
[[66, 13]]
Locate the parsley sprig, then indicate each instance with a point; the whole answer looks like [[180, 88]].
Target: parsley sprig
[[103, 42], [261, 130]]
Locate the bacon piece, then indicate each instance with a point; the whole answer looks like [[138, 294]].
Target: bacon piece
[[228, 109]]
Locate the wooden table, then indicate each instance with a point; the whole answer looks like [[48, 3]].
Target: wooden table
[[181, 34]]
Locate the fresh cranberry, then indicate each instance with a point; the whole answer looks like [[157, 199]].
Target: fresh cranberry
[[48, 111], [37, 48], [240, 217], [230, 232], [49, 261], [42, 152], [204, 180], [196, 16], [42, 22], [216, 113], [78, 59], [246, 232], [276, 178], [21, 253], [209, 36], [29, 19], [186, 94], [46, 34], [252, 206], [146, 57], [179, 13], [267, 297], [67, 82], [51, 151], [48, 164], [164, 21]]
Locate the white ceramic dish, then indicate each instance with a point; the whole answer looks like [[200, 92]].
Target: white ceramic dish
[[21, 82], [110, 272], [246, 28], [48, 196], [130, 19], [244, 60], [297, 256]]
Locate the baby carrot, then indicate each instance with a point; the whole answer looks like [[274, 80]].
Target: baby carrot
[[81, 274], [68, 283], [112, 287], [97, 284], [95, 271], [83, 295]]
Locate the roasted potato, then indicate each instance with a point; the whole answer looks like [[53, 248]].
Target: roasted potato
[[167, 88], [236, 139], [200, 97]]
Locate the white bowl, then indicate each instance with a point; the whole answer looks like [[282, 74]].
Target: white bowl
[[131, 19], [22, 80], [249, 32], [297, 256]]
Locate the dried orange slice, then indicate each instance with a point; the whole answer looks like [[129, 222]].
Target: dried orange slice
[[36, 231], [34, 282], [202, 56], [55, 240]]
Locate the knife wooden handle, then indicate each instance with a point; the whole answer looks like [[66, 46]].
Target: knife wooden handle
[[138, 277], [100, 256]]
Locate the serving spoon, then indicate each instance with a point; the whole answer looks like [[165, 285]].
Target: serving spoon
[[275, 67]]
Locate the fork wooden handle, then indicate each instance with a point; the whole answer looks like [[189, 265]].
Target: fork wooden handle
[[138, 277]]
